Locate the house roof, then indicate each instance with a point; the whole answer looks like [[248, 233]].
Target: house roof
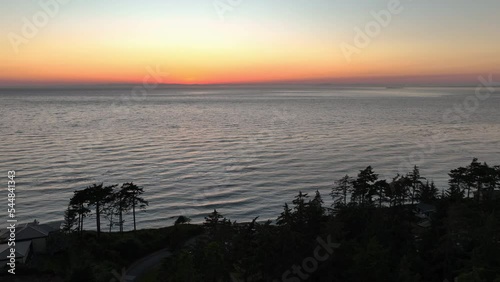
[[28, 231], [32, 231], [22, 249]]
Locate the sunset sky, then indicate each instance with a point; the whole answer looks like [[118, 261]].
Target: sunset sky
[[95, 41]]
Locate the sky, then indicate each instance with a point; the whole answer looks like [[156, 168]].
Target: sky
[[248, 41]]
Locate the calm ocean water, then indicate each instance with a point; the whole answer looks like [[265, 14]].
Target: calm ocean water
[[242, 151]]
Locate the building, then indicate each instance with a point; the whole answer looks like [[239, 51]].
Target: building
[[24, 250], [34, 233]]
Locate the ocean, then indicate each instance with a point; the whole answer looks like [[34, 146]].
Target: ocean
[[244, 151]]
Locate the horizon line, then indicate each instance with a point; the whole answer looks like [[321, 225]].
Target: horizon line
[[97, 86]]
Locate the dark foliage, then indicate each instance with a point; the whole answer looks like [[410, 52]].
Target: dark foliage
[[397, 230]]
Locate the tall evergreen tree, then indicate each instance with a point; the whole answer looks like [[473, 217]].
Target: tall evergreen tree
[[285, 217], [460, 180], [428, 193], [70, 219], [454, 193], [115, 208], [299, 210], [416, 183], [380, 187], [364, 187], [473, 176], [315, 213], [131, 194], [486, 180], [98, 196], [122, 203], [342, 188], [398, 190], [79, 203], [211, 222]]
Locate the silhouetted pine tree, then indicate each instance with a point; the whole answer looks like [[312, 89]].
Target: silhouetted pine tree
[[315, 213], [131, 195], [364, 187], [461, 179], [79, 203], [454, 192], [299, 215], [70, 219], [428, 193], [380, 188], [400, 185], [416, 183], [98, 197], [342, 188], [285, 217]]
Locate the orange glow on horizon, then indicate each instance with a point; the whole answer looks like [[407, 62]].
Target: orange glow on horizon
[[208, 52]]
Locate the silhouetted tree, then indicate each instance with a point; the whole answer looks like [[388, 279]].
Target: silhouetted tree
[[416, 183], [454, 192], [315, 213], [364, 187], [380, 187], [461, 180], [130, 194], [397, 191], [182, 220], [285, 217], [79, 203], [114, 208], [428, 193], [70, 219], [211, 222], [122, 203], [486, 179], [98, 196], [300, 206], [341, 189]]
